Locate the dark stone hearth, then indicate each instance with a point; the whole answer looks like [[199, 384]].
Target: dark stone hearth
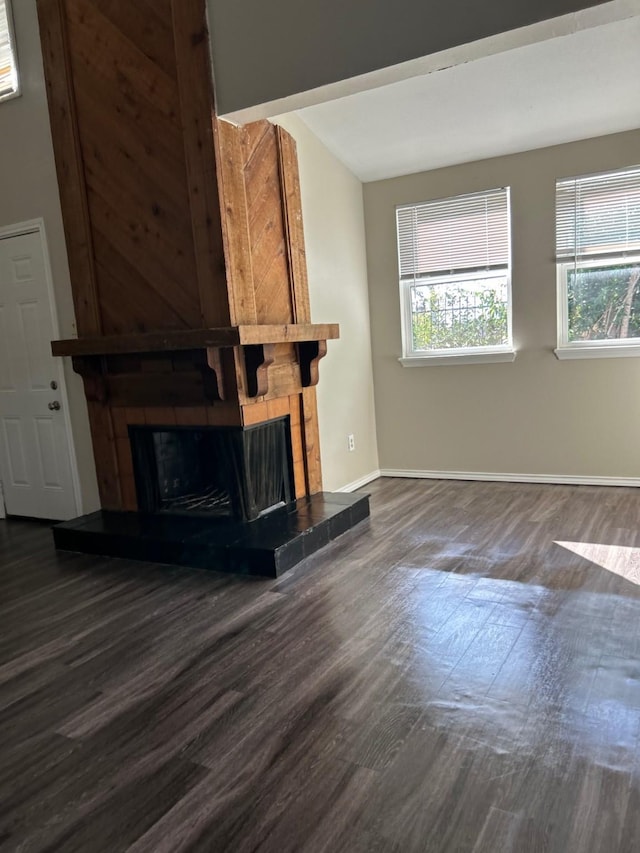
[[267, 547]]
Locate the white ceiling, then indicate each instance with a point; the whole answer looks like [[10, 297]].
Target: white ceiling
[[567, 88]]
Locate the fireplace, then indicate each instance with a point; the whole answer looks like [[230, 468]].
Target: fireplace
[[195, 340], [215, 497], [218, 472]]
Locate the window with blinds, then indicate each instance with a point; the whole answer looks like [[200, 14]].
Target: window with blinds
[[598, 257], [454, 257], [8, 67]]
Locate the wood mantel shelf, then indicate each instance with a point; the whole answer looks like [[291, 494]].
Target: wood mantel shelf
[[204, 353], [190, 339]]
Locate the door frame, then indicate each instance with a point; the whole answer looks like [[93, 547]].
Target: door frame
[[36, 226]]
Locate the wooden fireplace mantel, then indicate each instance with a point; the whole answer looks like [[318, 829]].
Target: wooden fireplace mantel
[[189, 339], [255, 345]]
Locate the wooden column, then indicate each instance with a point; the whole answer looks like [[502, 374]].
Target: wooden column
[[184, 233]]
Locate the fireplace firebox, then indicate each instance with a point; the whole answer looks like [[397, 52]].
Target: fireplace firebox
[[221, 472]]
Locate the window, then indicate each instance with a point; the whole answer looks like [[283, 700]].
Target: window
[[8, 67], [598, 258], [455, 279]]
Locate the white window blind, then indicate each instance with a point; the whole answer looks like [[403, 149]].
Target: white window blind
[[8, 69], [454, 235], [598, 215]]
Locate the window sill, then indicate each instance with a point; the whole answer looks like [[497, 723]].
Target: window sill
[[604, 351], [15, 93], [484, 357]]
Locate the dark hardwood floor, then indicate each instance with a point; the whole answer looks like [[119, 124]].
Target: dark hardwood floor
[[459, 673]]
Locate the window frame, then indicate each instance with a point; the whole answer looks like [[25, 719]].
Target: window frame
[[454, 355], [17, 90], [604, 348]]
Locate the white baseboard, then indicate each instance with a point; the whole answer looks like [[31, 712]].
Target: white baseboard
[[358, 484], [559, 479]]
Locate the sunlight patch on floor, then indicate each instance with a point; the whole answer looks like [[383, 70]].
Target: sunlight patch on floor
[[620, 559]]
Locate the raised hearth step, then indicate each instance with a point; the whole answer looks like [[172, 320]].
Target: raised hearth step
[[267, 547]]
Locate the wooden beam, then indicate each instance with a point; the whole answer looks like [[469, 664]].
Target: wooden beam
[[158, 389], [288, 333], [183, 339], [148, 342], [103, 436], [105, 455], [69, 164], [197, 112], [311, 441], [235, 223], [292, 210]]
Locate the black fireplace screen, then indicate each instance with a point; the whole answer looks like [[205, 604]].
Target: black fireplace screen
[[226, 472]]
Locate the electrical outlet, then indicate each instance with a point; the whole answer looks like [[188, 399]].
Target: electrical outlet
[[351, 442]]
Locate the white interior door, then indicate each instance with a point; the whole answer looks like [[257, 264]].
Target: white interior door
[[35, 458]]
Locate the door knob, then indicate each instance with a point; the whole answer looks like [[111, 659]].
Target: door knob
[[55, 406]]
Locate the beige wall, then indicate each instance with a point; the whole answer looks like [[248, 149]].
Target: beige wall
[[29, 190], [334, 233], [537, 416]]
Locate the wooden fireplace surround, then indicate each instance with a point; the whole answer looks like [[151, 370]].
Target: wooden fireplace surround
[[184, 236]]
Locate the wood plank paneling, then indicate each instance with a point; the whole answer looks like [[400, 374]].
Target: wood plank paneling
[[105, 455], [197, 113], [191, 416], [292, 206], [297, 446], [69, 165], [278, 408], [125, 460], [152, 143], [135, 415], [267, 231], [143, 213], [235, 227], [255, 413], [252, 135], [162, 363], [149, 389], [224, 414], [120, 422], [160, 415], [128, 301], [155, 204], [100, 43], [148, 24], [311, 437], [129, 494], [153, 268]]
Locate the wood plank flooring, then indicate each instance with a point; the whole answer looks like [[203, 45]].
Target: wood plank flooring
[[459, 673]]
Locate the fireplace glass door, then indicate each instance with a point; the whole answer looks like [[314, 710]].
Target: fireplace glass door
[[223, 472]]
